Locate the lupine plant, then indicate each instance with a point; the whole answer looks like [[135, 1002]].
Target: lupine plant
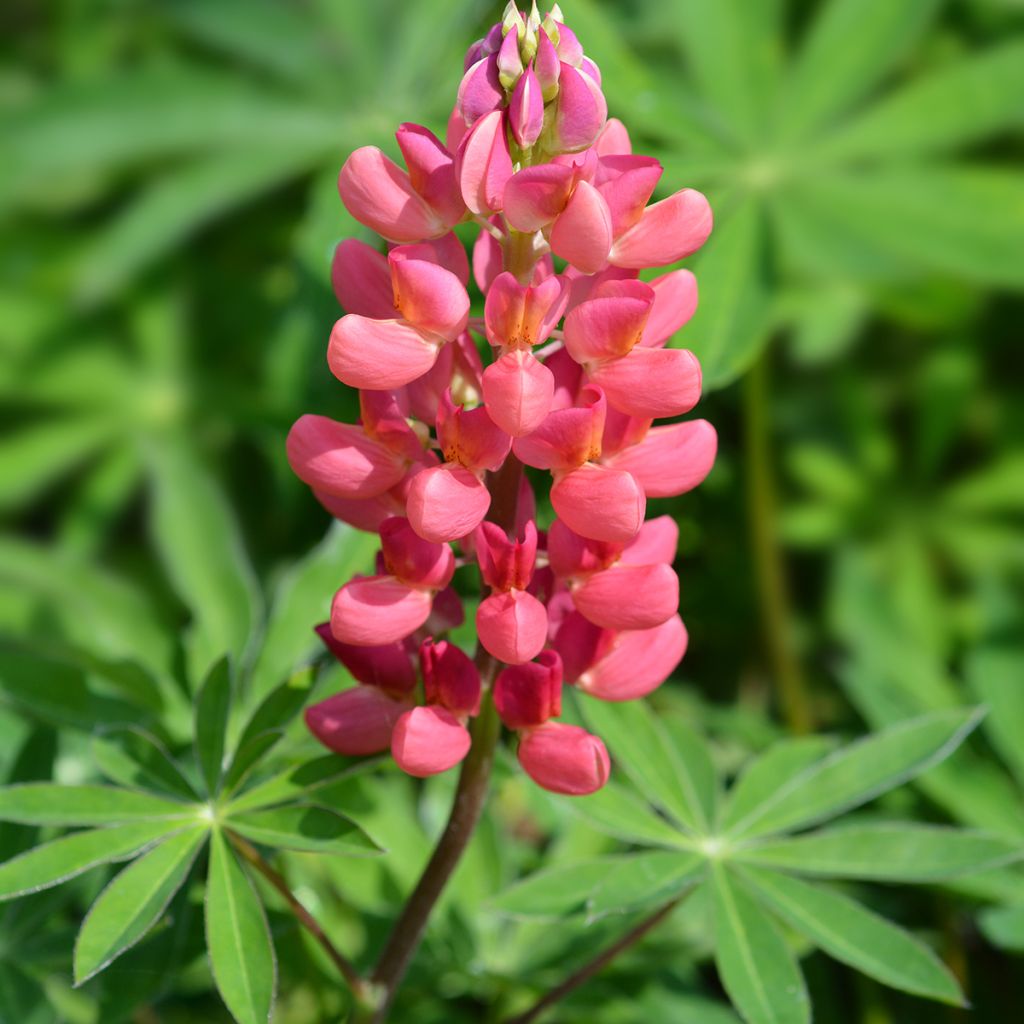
[[502, 462]]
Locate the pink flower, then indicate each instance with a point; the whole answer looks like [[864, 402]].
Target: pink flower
[[564, 759]]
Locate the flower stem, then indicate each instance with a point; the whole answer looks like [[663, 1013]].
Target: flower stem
[[770, 571], [595, 966], [249, 853]]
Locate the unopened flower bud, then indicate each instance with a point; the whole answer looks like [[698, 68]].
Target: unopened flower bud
[[526, 109], [449, 677], [565, 759], [510, 63], [428, 740], [528, 695], [547, 67]]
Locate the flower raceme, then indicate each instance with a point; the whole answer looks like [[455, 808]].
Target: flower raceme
[[566, 372]]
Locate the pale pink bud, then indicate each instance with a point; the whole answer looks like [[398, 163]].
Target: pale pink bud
[[580, 111], [412, 559], [547, 67], [565, 759], [582, 233], [671, 459], [356, 722], [600, 503], [339, 458], [528, 695], [388, 667], [512, 626], [480, 91], [505, 564], [450, 678], [379, 194], [372, 611], [637, 663], [431, 171], [518, 390], [428, 740], [484, 164], [526, 110], [629, 596], [667, 231]]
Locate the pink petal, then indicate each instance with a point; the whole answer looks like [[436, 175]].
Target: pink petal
[[526, 110], [379, 354], [675, 301], [599, 503], [580, 643], [376, 610], [628, 182], [582, 234], [581, 110], [535, 196], [431, 298], [339, 459], [651, 383], [638, 662], [666, 232], [604, 328], [487, 257], [446, 503], [671, 459], [362, 280], [388, 667], [413, 560], [614, 139], [564, 759], [629, 596], [429, 740], [518, 391], [356, 722], [484, 164], [379, 194], [450, 677], [506, 563], [480, 91], [431, 171], [567, 437], [621, 431], [446, 251], [571, 555], [364, 514], [512, 626], [548, 66], [517, 316], [657, 541], [528, 695], [470, 437]]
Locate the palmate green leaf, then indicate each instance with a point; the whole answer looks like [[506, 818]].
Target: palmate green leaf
[[238, 939], [757, 968], [638, 880], [889, 852], [303, 599], [176, 205], [859, 772], [619, 812], [132, 757], [306, 828], [301, 781], [673, 771], [35, 457], [134, 901], [199, 542], [850, 933], [769, 772], [995, 676], [849, 47], [213, 708], [47, 803], [554, 892], [61, 859], [975, 98], [247, 757], [732, 322]]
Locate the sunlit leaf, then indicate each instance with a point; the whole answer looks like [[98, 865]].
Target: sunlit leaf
[[638, 880], [556, 891], [45, 803], [213, 708], [307, 828]]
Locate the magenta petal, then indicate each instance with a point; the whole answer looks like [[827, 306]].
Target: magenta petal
[[651, 383], [379, 354], [582, 234], [379, 194], [675, 302], [629, 596], [431, 171], [512, 626], [535, 196], [377, 610], [429, 740], [446, 503], [388, 667], [362, 280], [638, 662], [666, 232], [480, 91], [600, 503], [581, 110], [518, 390], [484, 164], [356, 722], [564, 759], [362, 513], [528, 695], [450, 677], [413, 560], [526, 110], [671, 459]]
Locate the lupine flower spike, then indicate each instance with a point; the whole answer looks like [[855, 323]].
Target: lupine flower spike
[[564, 368]]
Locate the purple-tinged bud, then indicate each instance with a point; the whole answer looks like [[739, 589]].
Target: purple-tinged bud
[[528, 695], [547, 67], [389, 667], [357, 722], [569, 49], [588, 67], [510, 63], [526, 111], [480, 91], [450, 678], [581, 110]]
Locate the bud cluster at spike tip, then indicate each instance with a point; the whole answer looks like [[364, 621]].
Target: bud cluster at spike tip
[[565, 369]]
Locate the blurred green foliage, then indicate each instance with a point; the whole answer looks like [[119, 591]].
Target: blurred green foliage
[[168, 210]]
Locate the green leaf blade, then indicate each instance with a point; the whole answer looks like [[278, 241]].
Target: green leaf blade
[[306, 828], [45, 803], [554, 892], [639, 880], [213, 708]]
